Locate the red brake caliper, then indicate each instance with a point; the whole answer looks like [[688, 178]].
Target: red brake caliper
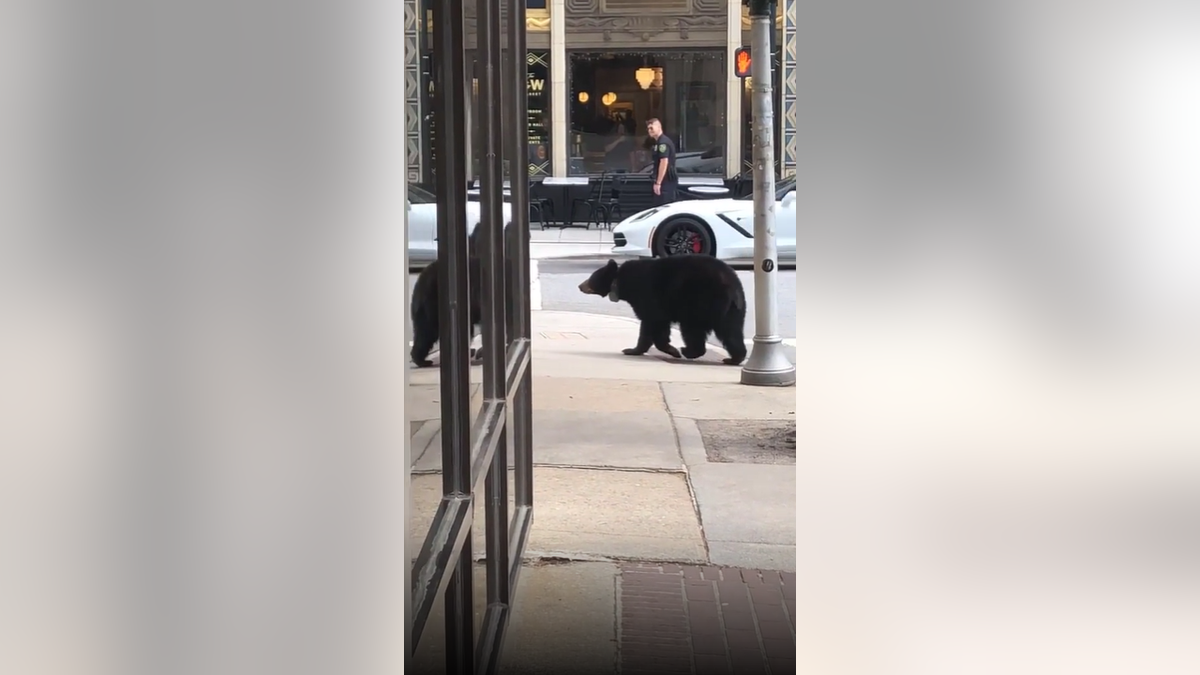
[[695, 243]]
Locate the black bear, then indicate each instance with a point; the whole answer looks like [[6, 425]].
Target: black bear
[[700, 293], [425, 317]]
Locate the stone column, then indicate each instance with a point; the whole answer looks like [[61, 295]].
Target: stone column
[[733, 92], [559, 69]]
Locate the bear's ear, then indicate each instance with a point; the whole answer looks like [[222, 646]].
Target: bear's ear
[[612, 264]]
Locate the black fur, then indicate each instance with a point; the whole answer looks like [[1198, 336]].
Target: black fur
[[425, 317], [700, 293]]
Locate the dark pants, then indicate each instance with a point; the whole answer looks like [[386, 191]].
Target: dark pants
[[669, 191]]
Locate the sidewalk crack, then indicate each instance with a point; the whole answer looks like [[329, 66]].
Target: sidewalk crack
[[687, 474]]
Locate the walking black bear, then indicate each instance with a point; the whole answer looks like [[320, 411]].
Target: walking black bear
[[700, 293]]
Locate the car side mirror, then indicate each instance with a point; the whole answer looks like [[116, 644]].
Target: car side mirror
[[789, 198]]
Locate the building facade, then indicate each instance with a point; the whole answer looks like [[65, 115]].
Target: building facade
[[599, 68]]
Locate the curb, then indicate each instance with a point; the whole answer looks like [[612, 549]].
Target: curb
[[535, 286], [564, 250], [574, 256], [691, 442], [550, 257]]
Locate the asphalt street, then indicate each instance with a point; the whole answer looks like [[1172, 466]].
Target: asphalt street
[[559, 280]]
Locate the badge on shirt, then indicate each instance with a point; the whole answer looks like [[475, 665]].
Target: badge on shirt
[[662, 147]]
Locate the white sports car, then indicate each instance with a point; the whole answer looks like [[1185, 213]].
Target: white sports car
[[422, 224], [723, 228]]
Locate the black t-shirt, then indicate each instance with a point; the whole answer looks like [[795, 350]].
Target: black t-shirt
[[665, 147]]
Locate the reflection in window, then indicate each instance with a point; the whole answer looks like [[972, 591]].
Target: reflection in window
[[537, 90], [417, 195], [614, 93]]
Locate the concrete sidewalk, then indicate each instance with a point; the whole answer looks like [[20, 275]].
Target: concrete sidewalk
[[622, 472]]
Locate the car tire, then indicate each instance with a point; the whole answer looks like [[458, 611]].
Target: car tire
[[683, 236]]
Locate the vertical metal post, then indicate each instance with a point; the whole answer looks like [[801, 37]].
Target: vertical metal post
[[495, 362], [472, 137], [495, 381], [516, 135], [454, 336], [491, 197], [517, 78], [767, 365]]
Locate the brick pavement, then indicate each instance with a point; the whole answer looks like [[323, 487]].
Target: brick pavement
[[681, 619]]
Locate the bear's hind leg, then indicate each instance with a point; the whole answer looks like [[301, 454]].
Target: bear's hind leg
[[730, 335], [425, 336]]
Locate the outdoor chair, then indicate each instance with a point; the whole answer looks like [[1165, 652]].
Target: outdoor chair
[[612, 203], [594, 202], [539, 202]]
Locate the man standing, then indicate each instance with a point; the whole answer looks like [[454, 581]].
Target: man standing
[[666, 179]]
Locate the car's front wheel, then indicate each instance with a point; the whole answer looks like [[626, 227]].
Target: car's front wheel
[[683, 236]]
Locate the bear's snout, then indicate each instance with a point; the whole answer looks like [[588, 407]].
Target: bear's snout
[[586, 287]]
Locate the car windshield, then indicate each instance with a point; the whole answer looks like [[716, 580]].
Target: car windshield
[[781, 188], [418, 196]]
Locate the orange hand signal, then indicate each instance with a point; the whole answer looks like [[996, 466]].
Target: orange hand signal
[[741, 62]]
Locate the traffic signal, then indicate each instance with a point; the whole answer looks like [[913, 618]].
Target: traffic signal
[[741, 62]]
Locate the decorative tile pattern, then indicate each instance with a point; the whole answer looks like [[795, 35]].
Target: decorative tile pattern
[[581, 6], [626, 7], [412, 87], [791, 101]]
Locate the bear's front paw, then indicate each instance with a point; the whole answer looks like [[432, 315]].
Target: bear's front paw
[[731, 361], [633, 351], [672, 352], [424, 363], [689, 353]]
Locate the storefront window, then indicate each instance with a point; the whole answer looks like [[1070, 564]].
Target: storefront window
[[614, 93], [537, 92]]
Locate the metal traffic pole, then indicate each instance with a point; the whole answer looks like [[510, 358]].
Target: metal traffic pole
[[767, 365]]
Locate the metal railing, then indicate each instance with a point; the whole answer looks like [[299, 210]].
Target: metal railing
[[475, 452]]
